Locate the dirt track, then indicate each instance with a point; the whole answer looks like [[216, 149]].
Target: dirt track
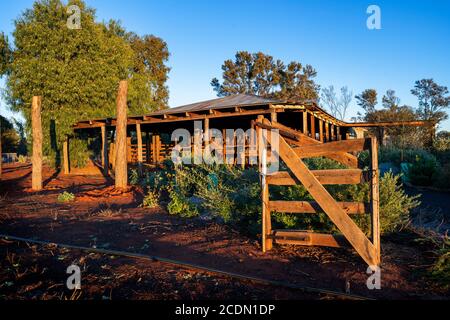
[[117, 222]]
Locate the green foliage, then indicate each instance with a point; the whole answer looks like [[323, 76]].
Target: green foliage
[[398, 155], [433, 100], [22, 159], [77, 71], [260, 74], [180, 205], [5, 54], [151, 199], [10, 138], [423, 170], [395, 204], [79, 152], [234, 196], [133, 177], [440, 271], [66, 197]]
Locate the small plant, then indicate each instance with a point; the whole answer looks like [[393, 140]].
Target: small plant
[[22, 159], [151, 200], [180, 205], [66, 197], [134, 177]]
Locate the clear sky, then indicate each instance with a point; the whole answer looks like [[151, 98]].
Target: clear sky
[[330, 35]]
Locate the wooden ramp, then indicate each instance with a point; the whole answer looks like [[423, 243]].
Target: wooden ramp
[[295, 146]]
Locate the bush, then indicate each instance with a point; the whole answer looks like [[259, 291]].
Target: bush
[[180, 205], [79, 152], [423, 169], [234, 196], [22, 159], [66, 197], [395, 204], [151, 200]]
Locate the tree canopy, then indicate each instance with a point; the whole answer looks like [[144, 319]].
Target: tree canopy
[[260, 74], [77, 71], [433, 100]]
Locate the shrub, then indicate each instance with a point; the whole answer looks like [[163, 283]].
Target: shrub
[[423, 170], [66, 197], [79, 152], [151, 200], [440, 271], [22, 159], [234, 196], [180, 205], [133, 177], [395, 204]]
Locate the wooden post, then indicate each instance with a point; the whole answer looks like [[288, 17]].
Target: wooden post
[[36, 179], [129, 151], [158, 148], [224, 146], [338, 133], [313, 126], [139, 143], [266, 220], [321, 130], [327, 132], [273, 117], [305, 122], [105, 152], [333, 136], [259, 141], [121, 174], [147, 147], [66, 158], [206, 137], [375, 199]]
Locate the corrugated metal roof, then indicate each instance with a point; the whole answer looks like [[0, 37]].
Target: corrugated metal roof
[[229, 101]]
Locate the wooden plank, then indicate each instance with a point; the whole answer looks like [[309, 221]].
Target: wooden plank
[[308, 238], [314, 207], [327, 132], [301, 140], [345, 224], [320, 150], [121, 171], [66, 156], [375, 197], [327, 177], [36, 160]]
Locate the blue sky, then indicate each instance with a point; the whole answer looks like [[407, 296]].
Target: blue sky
[[330, 35]]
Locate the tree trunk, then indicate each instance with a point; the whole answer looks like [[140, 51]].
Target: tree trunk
[[121, 174], [36, 178]]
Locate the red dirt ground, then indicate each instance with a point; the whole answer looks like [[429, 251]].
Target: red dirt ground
[[105, 218]]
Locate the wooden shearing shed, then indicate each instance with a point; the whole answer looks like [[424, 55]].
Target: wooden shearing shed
[[304, 130]]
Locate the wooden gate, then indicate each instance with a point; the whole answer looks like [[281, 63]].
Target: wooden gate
[[295, 146]]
